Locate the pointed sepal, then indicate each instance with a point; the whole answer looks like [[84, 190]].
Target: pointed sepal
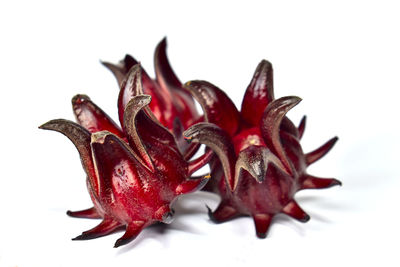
[[219, 141], [90, 213], [270, 127], [122, 68], [315, 155], [312, 182], [93, 118], [293, 210], [262, 222], [130, 87], [81, 138], [192, 185], [165, 76], [152, 132], [135, 105], [107, 226], [259, 93], [217, 106], [132, 231]]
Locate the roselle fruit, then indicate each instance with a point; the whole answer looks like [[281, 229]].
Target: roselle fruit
[[135, 171], [259, 163]]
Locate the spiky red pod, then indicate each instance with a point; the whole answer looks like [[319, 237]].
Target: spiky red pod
[[260, 164], [134, 172]]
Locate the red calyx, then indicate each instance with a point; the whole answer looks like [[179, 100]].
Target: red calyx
[[134, 172], [259, 163]]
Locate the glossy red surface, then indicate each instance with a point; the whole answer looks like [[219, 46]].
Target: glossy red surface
[[134, 172], [169, 99], [259, 163]]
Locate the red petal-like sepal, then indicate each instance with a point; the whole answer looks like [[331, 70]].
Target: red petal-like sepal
[[262, 223], [118, 168], [131, 232], [80, 137], [217, 106], [131, 87], [315, 155], [93, 118], [259, 94], [88, 213], [219, 141], [132, 109], [312, 182], [191, 185], [165, 76], [270, 127], [120, 70], [107, 226], [293, 210]]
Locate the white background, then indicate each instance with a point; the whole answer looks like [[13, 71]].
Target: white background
[[341, 57]]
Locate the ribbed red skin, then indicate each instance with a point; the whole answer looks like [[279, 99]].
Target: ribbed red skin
[[134, 172], [259, 163]]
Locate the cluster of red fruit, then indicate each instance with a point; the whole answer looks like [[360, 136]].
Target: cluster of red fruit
[[135, 171]]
